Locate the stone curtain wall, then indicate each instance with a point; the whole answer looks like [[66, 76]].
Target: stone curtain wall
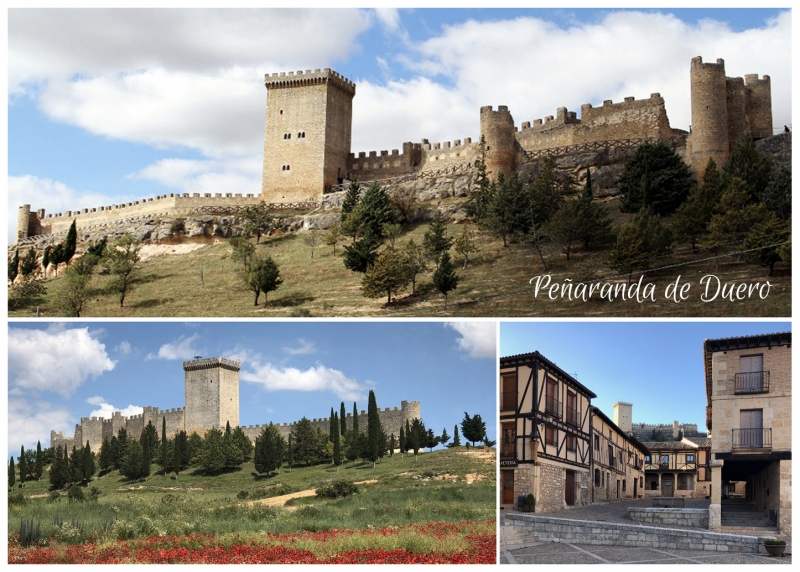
[[683, 517], [546, 529], [551, 488]]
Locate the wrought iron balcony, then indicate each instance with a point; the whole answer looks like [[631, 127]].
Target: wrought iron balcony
[[751, 382], [508, 401], [552, 406], [752, 438], [508, 452], [573, 417]]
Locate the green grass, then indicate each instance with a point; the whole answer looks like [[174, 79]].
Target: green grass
[[495, 283], [403, 494]]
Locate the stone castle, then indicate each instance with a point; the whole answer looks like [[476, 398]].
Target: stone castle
[[211, 396], [308, 134], [623, 415]]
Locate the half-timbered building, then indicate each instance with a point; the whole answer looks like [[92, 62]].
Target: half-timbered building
[[617, 461], [545, 422], [671, 469]]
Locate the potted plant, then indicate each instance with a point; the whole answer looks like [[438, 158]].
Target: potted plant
[[530, 504], [775, 547]]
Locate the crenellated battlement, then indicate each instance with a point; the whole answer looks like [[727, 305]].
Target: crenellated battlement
[[283, 80]]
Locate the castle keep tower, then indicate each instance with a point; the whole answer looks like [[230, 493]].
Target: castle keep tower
[[307, 134], [497, 130], [623, 414], [724, 109], [212, 394]]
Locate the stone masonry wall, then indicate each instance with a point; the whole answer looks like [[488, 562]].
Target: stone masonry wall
[[546, 529], [682, 517]]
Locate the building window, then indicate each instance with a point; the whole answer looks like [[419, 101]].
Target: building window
[[596, 443], [550, 435], [690, 458], [597, 477], [624, 485], [551, 404], [750, 378], [663, 461], [572, 443], [508, 400], [647, 458], [572, 409], [281, 112]]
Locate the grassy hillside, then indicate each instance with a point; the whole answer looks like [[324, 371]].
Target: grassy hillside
[[205, 282], [451, 485]]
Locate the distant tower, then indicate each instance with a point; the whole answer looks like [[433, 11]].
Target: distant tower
[[623, 414], [23, 221], [307, 134], [709, 115], [758, 100], [212, 394], [497, 130]]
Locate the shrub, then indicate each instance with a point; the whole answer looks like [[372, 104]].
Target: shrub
[[530, 500], [75, 493], [54, 496], [337, 489], [17, 499], [94, 494], [123, 530], [243, 494], [774, 543], [70, 532]]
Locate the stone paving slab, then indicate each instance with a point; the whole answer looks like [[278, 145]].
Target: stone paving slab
[[564, 553]]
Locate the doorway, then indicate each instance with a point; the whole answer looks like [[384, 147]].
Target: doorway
[[507, 479], [668, 489], [569, 489]]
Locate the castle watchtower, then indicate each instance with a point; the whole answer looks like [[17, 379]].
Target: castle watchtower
[[212, 394], [758, 98], [709, 115], [307, 134], [497, 131]]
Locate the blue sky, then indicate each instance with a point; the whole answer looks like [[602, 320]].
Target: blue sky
[[656, 366], [108, 106], [60, 372]]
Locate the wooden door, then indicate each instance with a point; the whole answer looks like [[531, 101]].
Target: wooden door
[[507, 478], [669, 485], [569, 489]]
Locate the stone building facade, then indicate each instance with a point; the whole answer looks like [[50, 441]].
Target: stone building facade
[[749, 412], [308, 127], [211, 393], [623, 417], [545, 433], [617, 461], [678, 468]]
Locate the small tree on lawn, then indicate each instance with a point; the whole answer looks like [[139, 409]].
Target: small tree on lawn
[[121, 260], [12, 475], [257, 220], [39, 461], [387, 274], [416, 262], [70, 243], [333, 236], [466, 244], [359, 255], [444, 438], [264, 276], [402, 442], [23, 467], [337, 442], [435, 241], [445, 279], [473, 428], [311, 239], [30, 263]]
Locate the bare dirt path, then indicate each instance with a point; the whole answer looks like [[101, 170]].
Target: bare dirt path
[[282, 499]]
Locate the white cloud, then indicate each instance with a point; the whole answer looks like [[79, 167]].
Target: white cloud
[[27, 425], [124, 348], [96, 400], [235, 175], [106, 409], [318, 378], [479, 339], [181, 348], [56, 359], [389, 18], [304, 348]]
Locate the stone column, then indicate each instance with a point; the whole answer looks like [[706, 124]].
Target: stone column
[[715, 508]]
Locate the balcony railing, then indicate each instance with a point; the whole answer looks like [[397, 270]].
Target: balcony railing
[[752, 438], [507, 452], [751, 382], [573, 418], [508, 401], [552, 406]]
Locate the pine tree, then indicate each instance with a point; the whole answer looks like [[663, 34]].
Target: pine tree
[[106, 460], [149, 439], [359, 255], [444, 438], [262, 275], [435, 241], [750, 166], [122, 261], [445, 279], [376, 209], [594, 223], [417, 435], [456, 438], [465, 244], [656, 176], [639, 243], [234, 456], [416, 262], [473, 428], [771, 230], [133, 460], [306, 448], [373, 428], [181, 453], [333, 236], [39, 461], [243, 443], [342, 420], [351, 198], [270, 450], [212, 455], [146, 453]]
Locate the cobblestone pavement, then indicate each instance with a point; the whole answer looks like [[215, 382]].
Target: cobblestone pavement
[[562, 553]]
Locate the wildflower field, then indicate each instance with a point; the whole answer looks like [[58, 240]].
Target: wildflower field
[[439, 508]]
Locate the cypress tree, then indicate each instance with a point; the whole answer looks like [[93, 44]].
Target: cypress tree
[[402, 441], [23, 466], [408, 436], [88, 463], [13, 266], [70, 243], [163, 452], [39, 461], [145, 472], [391, 445], [342, 420], [456, 438], [355, 417], [337, 444], [373, 428], [12, 477], [330, 426]]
